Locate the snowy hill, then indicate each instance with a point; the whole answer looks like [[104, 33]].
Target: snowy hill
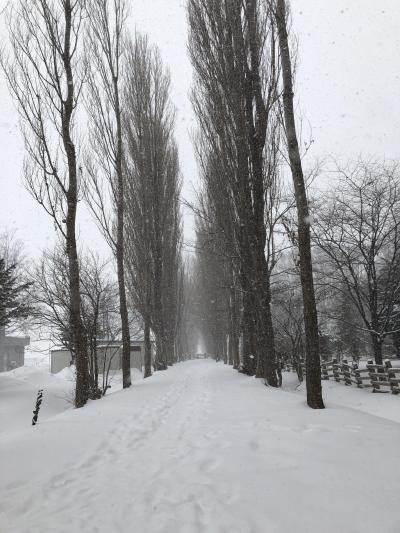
[[200, 448]]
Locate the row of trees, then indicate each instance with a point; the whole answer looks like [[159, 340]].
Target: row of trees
[[154, 232], [254, 269], [355, 225], [251, 291], [356, 232], [243, 99], [355, 237], [72, 63]]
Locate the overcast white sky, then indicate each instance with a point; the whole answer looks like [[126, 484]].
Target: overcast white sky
[[348, 90]]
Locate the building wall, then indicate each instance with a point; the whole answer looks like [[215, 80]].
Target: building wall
[[14, 357], [109, 355], [12, 351], [61, 358], [114, 354], [137, 358]]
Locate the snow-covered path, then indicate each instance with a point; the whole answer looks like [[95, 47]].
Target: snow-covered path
[[200, 448]]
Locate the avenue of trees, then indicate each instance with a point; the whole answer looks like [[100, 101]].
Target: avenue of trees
[[153, 189], [282, 272], [243, 99]]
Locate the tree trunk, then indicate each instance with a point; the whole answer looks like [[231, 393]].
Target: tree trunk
[[169, 350], [266, 356], [147, 348], [123, 307], [224, 350], [257, 123], [236, 354], [234, 332], [377, 342], [313, 366], [396, 343], [160, 362], [230, 351], [248, 335], [81, 355], [120, 252], [96, 368], [158, 312]]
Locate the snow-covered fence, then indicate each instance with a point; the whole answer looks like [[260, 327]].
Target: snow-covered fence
[[380, 378]]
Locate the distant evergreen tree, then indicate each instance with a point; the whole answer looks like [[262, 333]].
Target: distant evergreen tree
[[12, 304]]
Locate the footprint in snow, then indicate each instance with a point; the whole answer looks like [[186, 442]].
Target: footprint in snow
[[208, 465]]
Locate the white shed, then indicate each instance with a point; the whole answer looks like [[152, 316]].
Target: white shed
[[108, 353]]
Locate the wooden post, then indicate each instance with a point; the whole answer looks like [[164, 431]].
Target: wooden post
[[335, 368], [357, 375], [303, 367], [372, 375], [324, 369], [391, 377], [346, 372]]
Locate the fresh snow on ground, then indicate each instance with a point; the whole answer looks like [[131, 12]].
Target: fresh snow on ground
[[18, 391], [19, 388], [384, 405], [201, 448]]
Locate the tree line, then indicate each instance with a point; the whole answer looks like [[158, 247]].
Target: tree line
[[282, 272], [243, 99], [98, 125]]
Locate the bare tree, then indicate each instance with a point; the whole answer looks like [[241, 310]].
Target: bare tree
[[184, 336], [138, 220], [338, 315], [289, 320], [313, 376], [139, 191], [189, 332], [233, 50], [42, 76], [212, 288], [50, 295], [153, 189], [100, 310], [104, 186], [359, 235], [217, 230]]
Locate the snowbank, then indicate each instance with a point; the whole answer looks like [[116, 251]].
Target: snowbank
[[18, 391]]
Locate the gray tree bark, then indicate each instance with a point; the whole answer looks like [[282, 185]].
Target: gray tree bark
[[313, 366]]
